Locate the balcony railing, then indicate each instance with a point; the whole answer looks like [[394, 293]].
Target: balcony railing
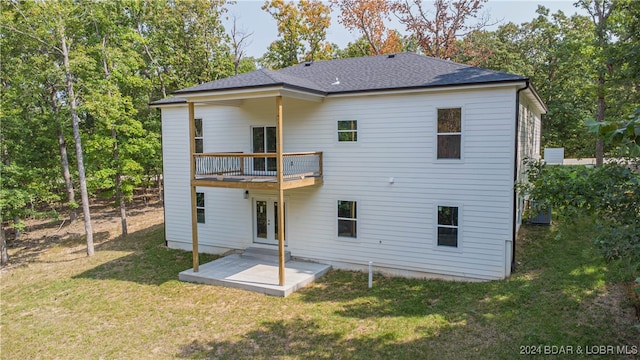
[[256, 166]]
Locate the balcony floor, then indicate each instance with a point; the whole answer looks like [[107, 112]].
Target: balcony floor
[[257, 182]]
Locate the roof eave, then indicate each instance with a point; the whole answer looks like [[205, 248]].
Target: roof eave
[[250, 92], [439, 87]]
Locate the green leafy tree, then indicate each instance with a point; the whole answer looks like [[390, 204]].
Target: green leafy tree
[[556, 53], [52, 27], [184, 42], [302, 28], [624, 135]]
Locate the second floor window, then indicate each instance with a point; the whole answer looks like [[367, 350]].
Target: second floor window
[[449, 133], [198, 136]]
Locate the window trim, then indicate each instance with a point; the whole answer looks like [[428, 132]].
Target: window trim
[[201, 208], [354, 219], [436, 226], [352, 131], [461, 134]]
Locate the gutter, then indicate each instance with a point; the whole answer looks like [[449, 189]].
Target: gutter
[[515, 176]]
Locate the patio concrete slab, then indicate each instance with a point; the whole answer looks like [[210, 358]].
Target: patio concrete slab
[[255, 274]]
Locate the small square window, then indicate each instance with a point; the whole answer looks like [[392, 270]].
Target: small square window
[[200, 207], [449, 133], [448, 226], [347, 219], [347, 130]]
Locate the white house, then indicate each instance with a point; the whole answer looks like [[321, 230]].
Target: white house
[[403, 160]]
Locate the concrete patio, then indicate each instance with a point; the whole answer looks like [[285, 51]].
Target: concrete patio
[[256, 270]]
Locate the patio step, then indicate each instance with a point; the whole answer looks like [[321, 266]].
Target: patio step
[[270, 255]]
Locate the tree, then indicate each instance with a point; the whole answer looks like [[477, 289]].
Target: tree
[[302, 30], [624, 135], [600, 12], [47, 25], [239, 43], [367, 17], [184, 42], [437, 34], [556, 53]]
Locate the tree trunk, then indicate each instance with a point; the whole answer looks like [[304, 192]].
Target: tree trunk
[[4, 254], [160, 189], [600, 118], [66, 174], [64, 160], [16, 227], [599, 141], [78, 142], [119, 194]]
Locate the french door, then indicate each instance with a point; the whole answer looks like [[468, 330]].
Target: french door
[[265, 221], [263, 140]]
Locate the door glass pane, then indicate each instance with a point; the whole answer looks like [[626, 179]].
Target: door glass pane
[[198, 127], [261, 219], [271, 148], [275, 219], [271, 139], [258, 147], [258, 139]]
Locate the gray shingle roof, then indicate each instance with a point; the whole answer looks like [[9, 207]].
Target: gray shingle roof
[[372, 73]]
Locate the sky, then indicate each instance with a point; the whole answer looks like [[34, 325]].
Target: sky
[[250, 18]]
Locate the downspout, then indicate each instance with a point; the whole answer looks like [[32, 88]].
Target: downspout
[[515, 176]]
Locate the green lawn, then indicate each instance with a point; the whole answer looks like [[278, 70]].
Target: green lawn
[[126, 302]]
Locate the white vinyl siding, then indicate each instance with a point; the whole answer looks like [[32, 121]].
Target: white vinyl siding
[[177, 193], [396, 229]]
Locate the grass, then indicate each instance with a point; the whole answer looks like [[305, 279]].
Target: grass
[[126, 302]]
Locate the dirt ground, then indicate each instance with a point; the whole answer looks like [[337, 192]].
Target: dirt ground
[[41, 234]]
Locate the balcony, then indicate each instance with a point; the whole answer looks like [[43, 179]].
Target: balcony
[[257, 171]]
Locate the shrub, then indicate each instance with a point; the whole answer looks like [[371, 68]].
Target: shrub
[[609, 194]]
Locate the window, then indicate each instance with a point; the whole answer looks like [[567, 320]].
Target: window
[[348, 130], [198, 136], [448, 226], [347, 219], [449, 133], [200, 207]]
